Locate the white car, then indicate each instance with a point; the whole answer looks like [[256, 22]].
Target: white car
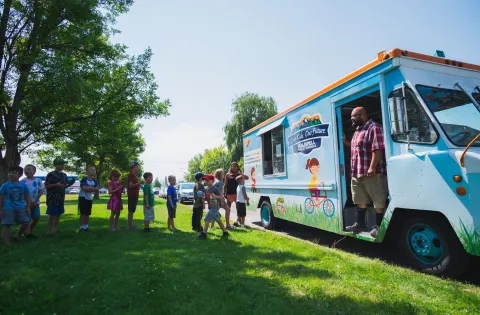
[[103, 190], [185, 192], [74, 191]]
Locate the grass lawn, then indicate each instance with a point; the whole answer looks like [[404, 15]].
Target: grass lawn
[[251, 272]]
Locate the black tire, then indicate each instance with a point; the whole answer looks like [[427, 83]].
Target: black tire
[[271, 222], [447, 256]]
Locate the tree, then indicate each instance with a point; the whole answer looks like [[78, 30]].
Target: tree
[[194, 166], [248, 111], [157, 183], [108, 146], [60, 73]]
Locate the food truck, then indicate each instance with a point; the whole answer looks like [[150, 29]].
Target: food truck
[[428, 107]]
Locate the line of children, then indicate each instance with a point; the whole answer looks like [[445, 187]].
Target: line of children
[[20, 200]]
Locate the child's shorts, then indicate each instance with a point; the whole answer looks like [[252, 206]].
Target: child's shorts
[[241, 209], [213, 214], [35, 213], [85, 206], [55, 210], [148, 214], [14, 217], [172, 212]]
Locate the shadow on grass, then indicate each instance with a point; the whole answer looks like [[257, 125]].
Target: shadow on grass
[[104, 272], [387, 252]]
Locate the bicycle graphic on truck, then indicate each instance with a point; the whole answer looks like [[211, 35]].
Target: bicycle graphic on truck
[[317, 200]]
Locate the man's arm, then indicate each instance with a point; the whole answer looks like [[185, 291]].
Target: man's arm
[[345, 141], [378, 145]]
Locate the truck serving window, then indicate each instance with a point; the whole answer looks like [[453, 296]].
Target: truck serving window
[[455, 112], [420, 126], [273, 152]]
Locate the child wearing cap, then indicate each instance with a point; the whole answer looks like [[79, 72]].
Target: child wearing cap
[[212, 195], [198, 202], [55, 184], [242, 200]]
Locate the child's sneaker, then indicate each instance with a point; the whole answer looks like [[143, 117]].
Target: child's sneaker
[[226, 233], [202, 236], [236, 224]]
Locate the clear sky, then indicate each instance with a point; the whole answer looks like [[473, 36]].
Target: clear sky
[[206, 53]]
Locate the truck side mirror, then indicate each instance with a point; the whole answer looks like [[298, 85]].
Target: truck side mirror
[[398, 115]]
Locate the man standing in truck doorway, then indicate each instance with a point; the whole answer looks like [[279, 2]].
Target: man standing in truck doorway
[[368, 169]]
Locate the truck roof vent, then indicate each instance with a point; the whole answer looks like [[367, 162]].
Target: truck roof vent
[[439, 53]]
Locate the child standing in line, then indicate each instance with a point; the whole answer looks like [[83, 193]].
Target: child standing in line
[[198, 202], [115, 204], [35, 187], [55, 185], [14, 204], [88, 186], [242, 200], [212, 195], [222, 203], [148, 201], [172, 203]]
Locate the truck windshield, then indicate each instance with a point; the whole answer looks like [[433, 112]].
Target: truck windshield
[[455, 112], [187, 186], [476, 96]]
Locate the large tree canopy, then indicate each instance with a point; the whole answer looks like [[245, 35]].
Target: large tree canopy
[[60, 73], [248, 110]]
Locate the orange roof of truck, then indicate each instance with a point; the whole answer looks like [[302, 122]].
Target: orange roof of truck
[[382, 56]]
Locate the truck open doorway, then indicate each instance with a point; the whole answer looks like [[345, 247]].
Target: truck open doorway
[[372, 104]]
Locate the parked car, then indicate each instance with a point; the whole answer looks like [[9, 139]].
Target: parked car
[[163, 193], [74, 191], [103, 190], [185, 192], [156, 191]]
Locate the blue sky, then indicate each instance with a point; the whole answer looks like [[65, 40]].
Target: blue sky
[[206, 53]]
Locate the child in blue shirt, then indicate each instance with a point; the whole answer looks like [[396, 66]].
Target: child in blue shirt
[[14, 204], [172, 203]]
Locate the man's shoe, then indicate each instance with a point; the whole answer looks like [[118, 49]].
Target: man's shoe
[[226, 233], [355, 227], [374, 231]]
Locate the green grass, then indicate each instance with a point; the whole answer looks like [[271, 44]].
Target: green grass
[[470, 238], [252, 272]]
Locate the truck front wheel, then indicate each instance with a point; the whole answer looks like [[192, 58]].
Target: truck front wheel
[[431, 246], [266, 216]]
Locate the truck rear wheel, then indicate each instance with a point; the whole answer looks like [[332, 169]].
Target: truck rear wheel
[[431, 246], [266, 216]]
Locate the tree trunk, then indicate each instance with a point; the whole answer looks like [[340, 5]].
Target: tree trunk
[[99, 173]]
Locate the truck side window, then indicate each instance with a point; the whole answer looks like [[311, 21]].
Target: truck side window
[[273, 152], [420, 126]]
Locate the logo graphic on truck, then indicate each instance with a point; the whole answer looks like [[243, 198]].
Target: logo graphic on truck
[[307, 134]]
